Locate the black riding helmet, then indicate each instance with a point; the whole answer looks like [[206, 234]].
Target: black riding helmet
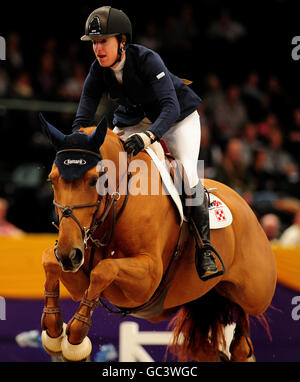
[[105, 22]]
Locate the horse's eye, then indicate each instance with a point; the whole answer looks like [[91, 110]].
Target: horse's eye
[[93, 182]]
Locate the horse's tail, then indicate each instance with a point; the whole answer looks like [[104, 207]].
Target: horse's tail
[[198, 327]]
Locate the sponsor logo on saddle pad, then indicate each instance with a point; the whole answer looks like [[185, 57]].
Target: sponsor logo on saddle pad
[[219, 214], [81, 162]]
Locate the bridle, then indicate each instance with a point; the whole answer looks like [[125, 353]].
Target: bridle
[[67, 211]]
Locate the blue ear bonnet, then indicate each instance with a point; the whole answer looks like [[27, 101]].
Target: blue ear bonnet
[[73, 165], [76, 153]]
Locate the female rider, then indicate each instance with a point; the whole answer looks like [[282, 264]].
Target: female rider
[[138, 80]]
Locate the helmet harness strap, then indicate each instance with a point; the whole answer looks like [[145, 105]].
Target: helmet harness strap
[[120, 50]]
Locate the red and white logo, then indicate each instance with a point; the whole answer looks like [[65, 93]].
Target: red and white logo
[[220, 215]]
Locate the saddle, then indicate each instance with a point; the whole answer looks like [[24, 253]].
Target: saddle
[[219, 213]]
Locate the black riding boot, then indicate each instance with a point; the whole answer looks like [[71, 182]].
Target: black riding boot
[[205, 261]]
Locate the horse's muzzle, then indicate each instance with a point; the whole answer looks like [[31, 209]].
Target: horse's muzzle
[[70, 262]]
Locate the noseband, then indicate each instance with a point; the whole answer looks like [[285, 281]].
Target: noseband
[[67, 212]]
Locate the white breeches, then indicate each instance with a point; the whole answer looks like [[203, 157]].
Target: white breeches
[[182, 140]]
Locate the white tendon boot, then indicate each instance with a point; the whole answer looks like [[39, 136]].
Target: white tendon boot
[[53, 345], [76, 353]]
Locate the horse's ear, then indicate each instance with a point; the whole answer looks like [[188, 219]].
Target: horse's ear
[[55, 136], [96, 138]]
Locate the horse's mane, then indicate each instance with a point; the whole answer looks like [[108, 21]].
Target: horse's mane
[[110, 135]]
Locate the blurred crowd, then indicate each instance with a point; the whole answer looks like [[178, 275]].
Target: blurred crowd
[[250, 121]]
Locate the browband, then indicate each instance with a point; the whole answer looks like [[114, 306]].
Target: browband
[[80, 150]]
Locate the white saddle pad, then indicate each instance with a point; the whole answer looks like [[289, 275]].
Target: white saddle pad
[[219, 214]]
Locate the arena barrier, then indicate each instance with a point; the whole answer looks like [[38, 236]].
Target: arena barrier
[[22, 285], [22, 274]]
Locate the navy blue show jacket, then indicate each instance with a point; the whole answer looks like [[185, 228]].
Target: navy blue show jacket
[[148, 90]]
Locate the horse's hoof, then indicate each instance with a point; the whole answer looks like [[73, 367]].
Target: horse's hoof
[[52, 345], [76, 353]]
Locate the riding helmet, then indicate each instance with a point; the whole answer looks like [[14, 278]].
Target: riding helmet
[[105, 22]]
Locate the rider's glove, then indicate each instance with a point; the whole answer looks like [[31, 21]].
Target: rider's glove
[[139, 141]]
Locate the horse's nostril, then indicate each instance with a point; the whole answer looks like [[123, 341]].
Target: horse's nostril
[[76, 256], [67, 263], [71, 261]]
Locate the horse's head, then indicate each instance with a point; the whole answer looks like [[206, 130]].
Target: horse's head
[[73, 178]]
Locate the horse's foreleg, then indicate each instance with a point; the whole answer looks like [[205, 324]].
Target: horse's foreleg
[[241, 347], [52, 321], [135, 272]]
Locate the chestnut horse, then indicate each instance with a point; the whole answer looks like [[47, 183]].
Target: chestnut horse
[[131, 251]]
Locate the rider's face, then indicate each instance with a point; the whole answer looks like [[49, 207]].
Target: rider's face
[[106, 50]]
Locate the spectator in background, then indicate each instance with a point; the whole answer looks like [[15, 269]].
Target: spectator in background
[[50, 46], [249, 137], [22, 87], [262, 187], [232, 170], [14, 55], [271, 225], [231, 114], [291, 236], [225, 28], [266, 126], [277, 100], [259, 176], [150, 37], [47, 77], [210, 152], [253, 98], [6, 228], [72, 88], [280, 162], [170, 37], [4, 83], [71, 58], [214, 96], [294, 135], [187, 28]]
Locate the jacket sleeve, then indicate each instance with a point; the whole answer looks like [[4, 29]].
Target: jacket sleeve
[[92, 92], [157, 75]]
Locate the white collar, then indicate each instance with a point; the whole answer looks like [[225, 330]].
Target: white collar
[[120, 66]]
